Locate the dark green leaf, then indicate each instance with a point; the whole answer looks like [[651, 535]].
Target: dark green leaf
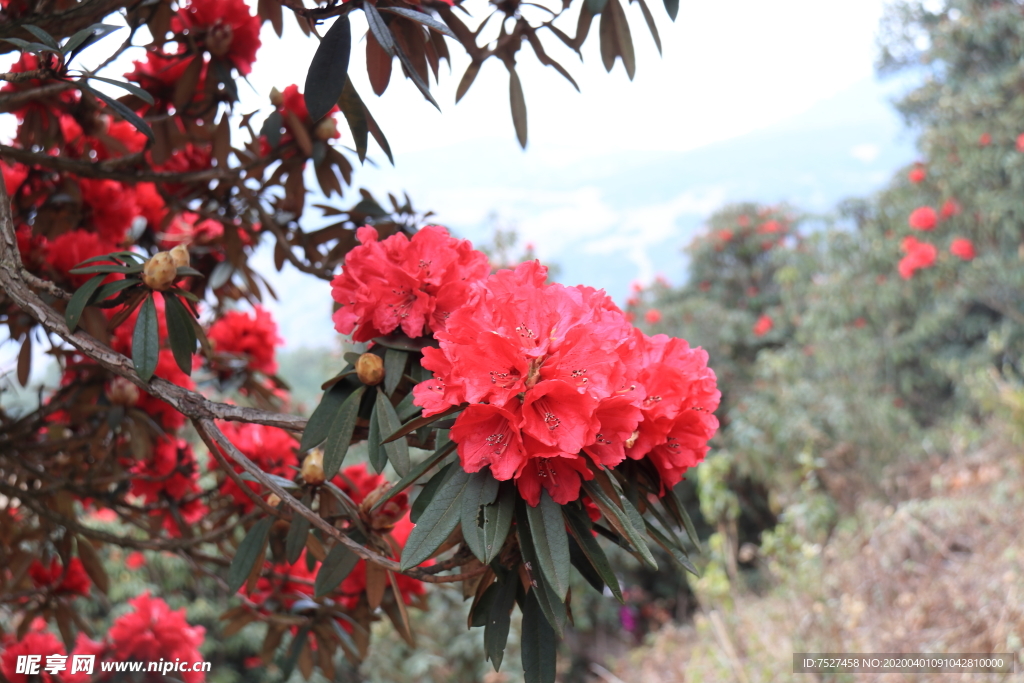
[[406, 409], [416, 472], [146, 341], [399, 341], [340, 435], [518, 103], [79, 300], [579, 526], [397, 449], [429, 490], [595, 7], [329, 69], [539, 644], [250, 551], [130, 87], [482, 490], [377, 456], [482, 610], [320, 421], [412, 426], [498, 520], [294, 650], [438, 520], [678, 510], [583, 566], [336, 566], [295, 541], [619, 520], [394, 367], [30, 46], [180, 332], [122, 110], [550, 541], [422, 18], [675, 552], [552, 606], [86, 37], [379, 28], [499, 618], [106, 268], [42, 35], [355, 113], [672, 7], [112, 288], [271, 128]]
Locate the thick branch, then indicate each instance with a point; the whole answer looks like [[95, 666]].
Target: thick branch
[[107, 169]]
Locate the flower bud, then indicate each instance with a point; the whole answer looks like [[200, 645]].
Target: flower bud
[[326, 129], [313, 467], [276, 98], [273, 500], [160, 272], [180, 256], [370, 369], [121, 392]]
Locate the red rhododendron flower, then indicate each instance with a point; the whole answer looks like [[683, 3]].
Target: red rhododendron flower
[[271, 448], [653, 315], [923, 218], [252, 337], [75, 581], [763, 325], [112, 206], [918, 255], [963, 248], [159, 76], [14, 175], [68, 250], [917, 175], [135, 560], [414, 284], [769, 227], [36, 642], [226, 27], [724, 235], [154, 631], [188, 228], [1020, 142], [151, 205], [985, 140]]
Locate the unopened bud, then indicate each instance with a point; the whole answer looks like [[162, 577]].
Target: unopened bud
[[180, 256], [218, 39], [370, 369], [326, 129], [160, 272], [276, 98], [122, 392], [273, 500], [313, 467]]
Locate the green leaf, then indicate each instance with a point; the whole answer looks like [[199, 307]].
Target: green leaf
[[438, 520], [355, 113], [30, 46], [394, 367], [340, 436], [539, 644], [86, 37], [123, 111], [619, 519], [250, 551], [518, 103], [377, 456], [416, 472], [550, 542], [329, 69], [337, 565], [294, 650], [583, 566], [552, 606], [595, 7], [414, 76], [379, 28], [675, 552], [106, 268], [406, 409], [429, 491], [79, 300], [320, 421], [672, 7], [498, 520], [421, 18], [130, 87], [42, 35], [499, 618], [413, 425], [580, 528], [180, 332], [295, 541], [482, 490], [111, 288], [678, 510], [146, 341], [398, 449], [271, 128]]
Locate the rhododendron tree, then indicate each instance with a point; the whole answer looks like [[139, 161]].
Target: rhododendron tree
[[522, 420]]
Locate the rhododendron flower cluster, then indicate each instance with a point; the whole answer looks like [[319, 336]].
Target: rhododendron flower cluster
[[763, 325], [252, 337], [75, 581], [37, 641], [917, 174], [557, 379], [413, 284], [919, 255], [963, 248], [923, 218], [271, 448], [227, 28]]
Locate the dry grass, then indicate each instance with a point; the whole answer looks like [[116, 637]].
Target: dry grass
[[940, 573]]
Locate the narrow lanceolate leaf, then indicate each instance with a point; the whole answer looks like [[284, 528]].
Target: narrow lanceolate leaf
[[413, 425], [271, 128], [93, 564], [379, 28], [438, 520], [622, 36], [539, 644], [180, 332], [422, 18], [676, 508], [79, 300], [416, 472], [295, 541], [329, 69], [550, 541], [130, 87], [467, 80], [552, 606], [583, 566], [414, 76], [340, 435], [672, 7], [398, 449], [319, 424], [122, 110], [429, 490], [336, 566], [249, 552], [111, 288], [376, 455], [518, 103], [394, 366], [618, 519], [498, 520], [649, 18], [352, 107], [146, 341], [42, 35], [499, 618], [674, 551], [482, 490], [579, 527]]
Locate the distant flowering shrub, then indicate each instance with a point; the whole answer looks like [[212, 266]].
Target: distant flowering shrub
[[919, 255], [923, 218]]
